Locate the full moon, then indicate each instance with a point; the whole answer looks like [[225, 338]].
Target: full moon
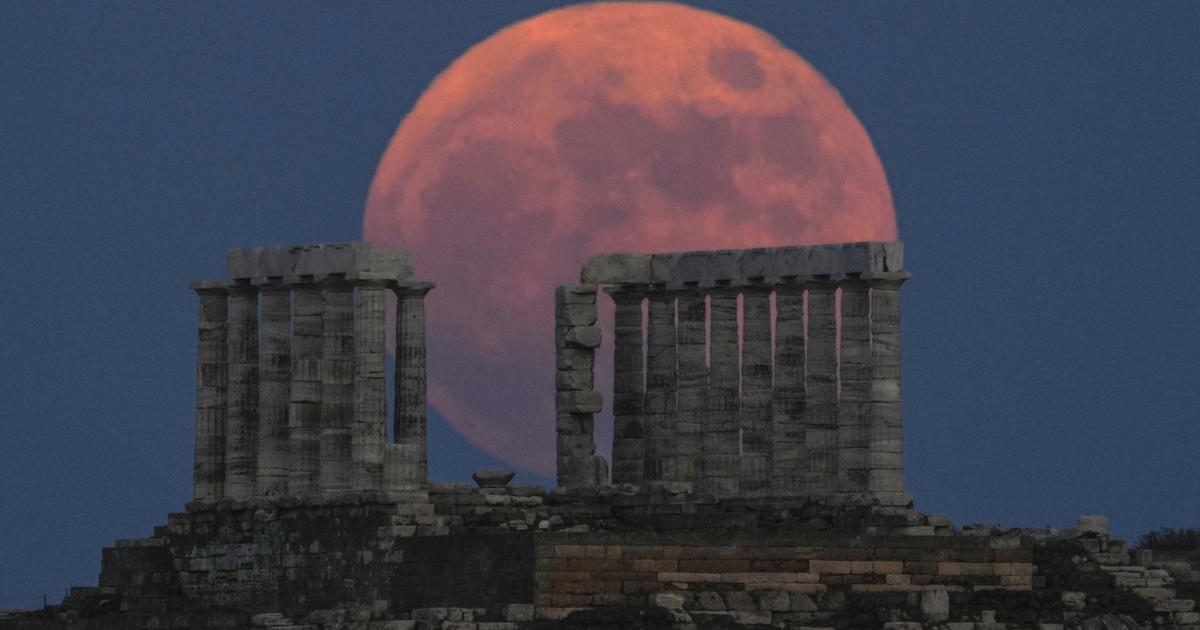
[[601, 128]]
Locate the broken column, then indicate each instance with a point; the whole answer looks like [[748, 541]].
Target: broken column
[[886, 474], [274, 386], [820, 390], [368, 431], [406, 464], [754, 467], [854, 391], [304, 420], [628, 454], [661, 384], [691, 395], [575, 402], [337, 384], [241, 414], [721, 443], [212, 376], [788, 456]]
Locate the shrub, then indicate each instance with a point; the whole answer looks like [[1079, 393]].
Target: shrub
[[1168, 539]]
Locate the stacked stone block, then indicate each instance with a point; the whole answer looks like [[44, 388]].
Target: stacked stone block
[[808, 406], [291, 385], [576, 338]]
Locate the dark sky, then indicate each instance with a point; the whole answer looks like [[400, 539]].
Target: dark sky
[[1043, 158]]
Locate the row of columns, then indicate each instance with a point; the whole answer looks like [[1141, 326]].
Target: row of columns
[[292, 398], [788, 419]]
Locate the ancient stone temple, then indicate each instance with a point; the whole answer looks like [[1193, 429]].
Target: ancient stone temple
[[291, 392], [756, 478], [802, 401]]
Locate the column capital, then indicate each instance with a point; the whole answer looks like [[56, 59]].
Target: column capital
[[273, 285], [412, 289], [205, 287], [885, 279], [626, 293], [241, 288], [372, 283]]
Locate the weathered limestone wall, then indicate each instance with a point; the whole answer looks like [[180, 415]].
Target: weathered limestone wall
[[775, 579], [291, 370], [808, 405]]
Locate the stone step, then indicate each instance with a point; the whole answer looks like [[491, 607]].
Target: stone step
[[1175, 605], [1155, 594]]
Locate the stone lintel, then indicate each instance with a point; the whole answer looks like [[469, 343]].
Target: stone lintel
[[834, 260], [317, 260], [209, 286]]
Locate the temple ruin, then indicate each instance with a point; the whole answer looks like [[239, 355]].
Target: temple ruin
[[806, 403], [757, 475], [291, 374]]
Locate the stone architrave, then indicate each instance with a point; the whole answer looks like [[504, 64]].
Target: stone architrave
[[304, 423], [337, 385], [754, 464], [241, 415], [368, 431], [886, 475], [212, 379], [661, 384], [274, 389], [691, 395], [410, 430], [787, 451], [854, 391], [820, 390], [722, 442], [629, 433]]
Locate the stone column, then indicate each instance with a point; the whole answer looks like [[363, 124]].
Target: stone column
[[691, 397], [629, 455], [304, 423], [212, 379], [854, 391], [368, 431], [575, 340], [820, 390], [410, 430], [337, 384], [885, 478], [661, 385], [722, 441], [754, 469], [274, 389], [788, 459], [241, 415]]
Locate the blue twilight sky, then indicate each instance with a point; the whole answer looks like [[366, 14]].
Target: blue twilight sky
[[1043, 158]]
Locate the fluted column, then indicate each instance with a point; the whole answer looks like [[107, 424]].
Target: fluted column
[[212, 378], [337, 385], [274, 387], [788, 459], [368, 431], [722, 442], [407, 464], [661, 385], [754, 468], [820, 387], [628, 453], [241, 415], [304, 422], [854, 391], [693, 383], [886, 476]]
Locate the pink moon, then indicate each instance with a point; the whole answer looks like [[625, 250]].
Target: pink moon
[[601, 128]]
